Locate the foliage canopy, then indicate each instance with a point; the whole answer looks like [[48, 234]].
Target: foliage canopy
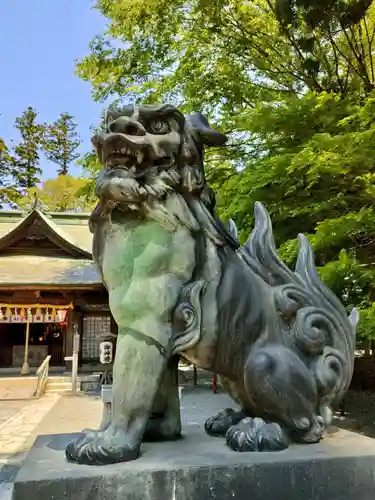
[[62, 194]]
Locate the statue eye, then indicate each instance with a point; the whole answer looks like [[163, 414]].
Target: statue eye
[[159, 127]]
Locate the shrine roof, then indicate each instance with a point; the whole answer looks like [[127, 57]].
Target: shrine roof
[[32, 270], [46, 249], [72, 226]]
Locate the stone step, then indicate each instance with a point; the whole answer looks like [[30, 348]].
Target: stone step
[[58, 380], [58, 386], [64, 383]]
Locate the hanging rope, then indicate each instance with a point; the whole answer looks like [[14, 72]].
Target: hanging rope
[[44, 313], [35, 306]]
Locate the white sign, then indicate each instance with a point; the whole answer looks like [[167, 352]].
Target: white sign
[[106, 352], [38, 318], [17, 318]]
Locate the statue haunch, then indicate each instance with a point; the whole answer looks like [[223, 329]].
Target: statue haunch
[[180, 284]]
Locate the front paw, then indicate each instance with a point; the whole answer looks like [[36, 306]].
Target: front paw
[[102, 448], [219, 424], [254, 434]]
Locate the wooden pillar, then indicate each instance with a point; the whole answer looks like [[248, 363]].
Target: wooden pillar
[[68, 341], [78, 320], [73, 318], [214, 383], [25, 370], [76, 346], [195, 376]]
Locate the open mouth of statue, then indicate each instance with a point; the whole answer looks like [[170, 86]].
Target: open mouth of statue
[[138, 162], [125, 157]]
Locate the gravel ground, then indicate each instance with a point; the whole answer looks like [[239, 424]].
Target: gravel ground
[[359, 413]]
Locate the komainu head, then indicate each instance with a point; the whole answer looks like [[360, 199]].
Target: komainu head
[[150, 150]]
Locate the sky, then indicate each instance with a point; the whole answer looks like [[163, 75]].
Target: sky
[[40, 41]]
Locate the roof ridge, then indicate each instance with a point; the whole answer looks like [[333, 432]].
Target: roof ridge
[[59, 230]]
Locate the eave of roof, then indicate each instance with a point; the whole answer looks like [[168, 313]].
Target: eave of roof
[[36, 271]]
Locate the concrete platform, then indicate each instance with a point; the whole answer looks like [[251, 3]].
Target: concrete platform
[[202, 468]]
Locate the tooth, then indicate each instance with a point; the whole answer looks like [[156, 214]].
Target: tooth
[[140, 156], [123, 151], [134, 169], [150, 190]]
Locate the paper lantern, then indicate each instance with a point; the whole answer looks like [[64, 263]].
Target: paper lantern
[[4, 318], [61, 315], [38, 316], [48, 318], [16, 317]]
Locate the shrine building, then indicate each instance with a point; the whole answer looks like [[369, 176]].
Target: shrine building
[[49, 289]]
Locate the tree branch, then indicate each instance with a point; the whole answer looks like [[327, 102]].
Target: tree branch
[[337, 64], [369, 45], [363, 75]]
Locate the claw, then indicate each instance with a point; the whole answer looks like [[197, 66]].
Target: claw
[[254, 434], [102, 449]]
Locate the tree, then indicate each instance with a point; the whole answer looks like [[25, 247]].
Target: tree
[[26, 172], [63, 194], [61, 143], [7, 163]]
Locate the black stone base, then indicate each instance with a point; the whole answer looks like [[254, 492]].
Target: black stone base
[[200, 467]]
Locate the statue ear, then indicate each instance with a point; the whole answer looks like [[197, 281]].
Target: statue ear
[[205, 134]]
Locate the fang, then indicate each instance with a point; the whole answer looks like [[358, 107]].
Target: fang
[[139, 156]]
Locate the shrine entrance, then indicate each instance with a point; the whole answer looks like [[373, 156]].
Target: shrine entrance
[[26, 339]]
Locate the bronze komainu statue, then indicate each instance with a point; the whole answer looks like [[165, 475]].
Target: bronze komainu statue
[[180, 284]]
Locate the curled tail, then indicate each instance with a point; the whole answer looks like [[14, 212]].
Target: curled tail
[[316, 320], [338, 355]]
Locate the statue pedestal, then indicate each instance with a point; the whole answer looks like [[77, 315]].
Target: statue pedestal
[[200, 467]]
